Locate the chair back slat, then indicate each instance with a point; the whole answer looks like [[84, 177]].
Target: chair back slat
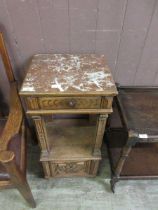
[[7, 66], [6, 60]]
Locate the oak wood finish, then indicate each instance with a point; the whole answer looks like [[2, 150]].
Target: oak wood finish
[[100, 131], [69, 103], [46, 169], [14, 127], [69, 111], [73, 168], [16, 177], [14, 119], [70, 148], [41, 132], [56, 103], [6, 60], [58, 84]]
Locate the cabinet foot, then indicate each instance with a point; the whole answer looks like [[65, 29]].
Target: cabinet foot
[[113, 183]]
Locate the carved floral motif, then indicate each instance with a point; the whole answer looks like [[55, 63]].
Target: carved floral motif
[[68, 168]]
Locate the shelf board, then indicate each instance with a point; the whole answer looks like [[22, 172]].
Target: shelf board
[[142, 160]]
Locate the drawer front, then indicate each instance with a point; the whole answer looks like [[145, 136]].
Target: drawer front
[[55, 103], [49, 103], [69, 169], [106, 102], [69, 103]]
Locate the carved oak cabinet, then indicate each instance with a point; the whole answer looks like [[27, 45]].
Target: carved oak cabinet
[[69, 98]]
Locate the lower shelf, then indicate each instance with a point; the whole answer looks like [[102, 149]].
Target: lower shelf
[[70, 168], [142, 160]]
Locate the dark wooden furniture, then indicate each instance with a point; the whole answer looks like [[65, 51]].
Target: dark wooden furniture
[[69, 98], [132, 134], [12, 138]]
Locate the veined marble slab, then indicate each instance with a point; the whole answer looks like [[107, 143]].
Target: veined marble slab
[[53, 73]]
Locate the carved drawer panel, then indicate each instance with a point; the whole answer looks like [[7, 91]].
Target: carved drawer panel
[[70, 168], [106, 102], [49, 103], [69, 102]]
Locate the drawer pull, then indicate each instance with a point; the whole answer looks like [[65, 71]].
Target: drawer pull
[[72, 103]]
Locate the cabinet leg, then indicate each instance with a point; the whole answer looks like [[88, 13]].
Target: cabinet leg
[[41, 132], [124, 155], [102, 118]]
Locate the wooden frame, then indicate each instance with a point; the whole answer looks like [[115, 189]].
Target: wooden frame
[[128, 139], [13, 127], [64, 154]]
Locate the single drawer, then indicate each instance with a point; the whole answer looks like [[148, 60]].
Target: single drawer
[[70, 168], [69, 102], [55, 103], [49, 103]]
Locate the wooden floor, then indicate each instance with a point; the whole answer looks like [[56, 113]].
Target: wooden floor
[[82, 193]]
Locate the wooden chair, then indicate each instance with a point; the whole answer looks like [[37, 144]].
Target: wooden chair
[[12, 138]]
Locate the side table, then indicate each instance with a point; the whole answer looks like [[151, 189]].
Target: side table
[[69, 98], [132, 134]]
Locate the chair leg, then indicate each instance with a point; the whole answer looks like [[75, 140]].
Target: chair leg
[[17, 178]]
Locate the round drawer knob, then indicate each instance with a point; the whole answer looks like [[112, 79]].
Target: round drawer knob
[[72, 102]]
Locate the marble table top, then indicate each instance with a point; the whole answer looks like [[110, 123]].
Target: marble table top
[[67, 73]]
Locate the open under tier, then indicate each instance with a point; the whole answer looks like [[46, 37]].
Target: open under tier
[[70, 139]]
